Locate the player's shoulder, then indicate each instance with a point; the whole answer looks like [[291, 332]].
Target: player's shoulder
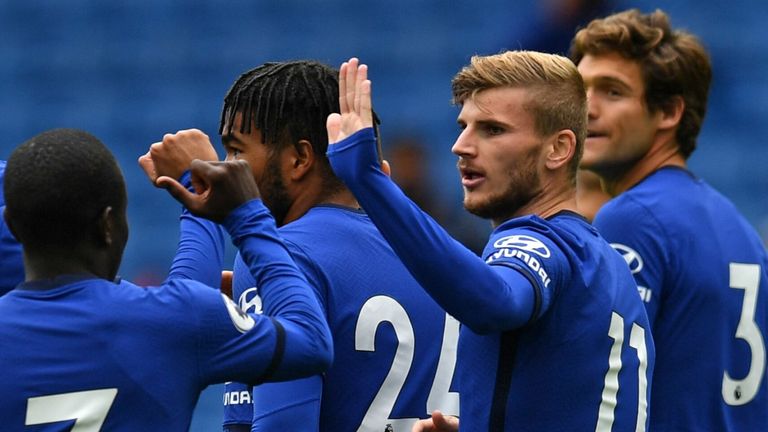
[[325, 220], [173, 294], [328, 230], [532, 234]]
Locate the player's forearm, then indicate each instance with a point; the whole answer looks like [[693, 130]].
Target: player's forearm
[[284, 291], [200, 253], [453, 275]]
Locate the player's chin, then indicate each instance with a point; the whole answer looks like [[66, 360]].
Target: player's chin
[[477, 205]]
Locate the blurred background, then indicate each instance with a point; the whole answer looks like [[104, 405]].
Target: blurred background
[[131, 71]]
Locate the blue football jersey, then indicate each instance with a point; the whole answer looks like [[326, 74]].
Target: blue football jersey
[[701, 271], [394, 348], [11, 262], [553, 336], [82, 353]]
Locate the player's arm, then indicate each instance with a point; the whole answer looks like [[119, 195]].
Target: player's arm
[[292, 405], [456, 278], [226, 192], [200, 252], [238, 408]]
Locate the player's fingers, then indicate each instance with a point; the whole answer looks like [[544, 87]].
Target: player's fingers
[[343, 108], [226, 283], [333, 125], [360, 75], [351, 83], [366, 113], [178, 191], [423, 426], [146, 164]]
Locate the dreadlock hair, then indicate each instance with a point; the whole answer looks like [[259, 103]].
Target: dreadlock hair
[[673, 63], [287, 102], [56, 186]]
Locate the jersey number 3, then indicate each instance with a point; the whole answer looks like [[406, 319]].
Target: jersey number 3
[[741, 391]]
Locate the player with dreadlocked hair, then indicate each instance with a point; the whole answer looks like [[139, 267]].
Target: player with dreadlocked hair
[[274, 118], [286, 101]]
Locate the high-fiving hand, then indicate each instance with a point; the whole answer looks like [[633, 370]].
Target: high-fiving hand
[[354, 102], [220, 187]]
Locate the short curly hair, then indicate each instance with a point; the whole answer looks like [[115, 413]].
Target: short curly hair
[[673, 63], [56, 186]]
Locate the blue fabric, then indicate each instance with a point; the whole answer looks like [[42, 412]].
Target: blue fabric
[[701, 270], [367, 294], [148, 352], [535, 350]]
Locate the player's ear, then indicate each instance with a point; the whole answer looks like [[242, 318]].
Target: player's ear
[[560, 148], [302, 159], [385, 168], [8, 223], [672, 112], [106, 226]]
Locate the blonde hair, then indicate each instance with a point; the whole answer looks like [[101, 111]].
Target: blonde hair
[[558, 100]]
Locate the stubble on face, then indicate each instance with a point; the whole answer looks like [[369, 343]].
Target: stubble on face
[[522, 186], [274, 194]]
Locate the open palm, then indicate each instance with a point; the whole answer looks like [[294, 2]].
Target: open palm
[[354, 102]]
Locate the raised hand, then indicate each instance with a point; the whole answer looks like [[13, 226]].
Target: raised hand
[[220, 187], [354, 102], [174, 154]]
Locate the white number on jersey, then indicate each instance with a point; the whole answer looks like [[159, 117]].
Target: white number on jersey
[[608, 404], [381, 309], [88, 408], [735, 391]]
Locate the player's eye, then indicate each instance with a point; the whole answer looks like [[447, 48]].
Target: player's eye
[[494, 130]]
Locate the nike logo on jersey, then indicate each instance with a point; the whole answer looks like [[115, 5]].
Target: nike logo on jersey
[[242, 321]]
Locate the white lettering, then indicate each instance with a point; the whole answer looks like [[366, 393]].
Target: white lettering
[[237, 397], [645, 293], [533, 263]]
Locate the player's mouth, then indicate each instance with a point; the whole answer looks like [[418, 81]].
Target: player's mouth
[[595, 134], [470, 177]]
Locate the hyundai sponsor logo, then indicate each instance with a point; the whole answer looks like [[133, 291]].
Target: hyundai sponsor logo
[[250, 301], [528, 259], [631, 257], [523, 242]]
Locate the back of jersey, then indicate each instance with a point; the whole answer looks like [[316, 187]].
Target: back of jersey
[[395, 349], [68, 364], [701, 270]]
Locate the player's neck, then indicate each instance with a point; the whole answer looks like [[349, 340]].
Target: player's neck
[[552, 200], [311, 197], [57, 263], [659, 156]]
